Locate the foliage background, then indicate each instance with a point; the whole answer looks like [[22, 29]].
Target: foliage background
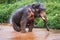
[[52, 11]]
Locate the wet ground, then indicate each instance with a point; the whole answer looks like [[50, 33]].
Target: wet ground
[[7, 33]]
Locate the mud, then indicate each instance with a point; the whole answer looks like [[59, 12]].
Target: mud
[[7, 33]]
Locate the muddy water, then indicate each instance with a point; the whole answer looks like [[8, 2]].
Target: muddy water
[[7, 33]]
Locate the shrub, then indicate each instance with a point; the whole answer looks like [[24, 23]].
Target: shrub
[[53, 15], [7, 9], [52, 11]]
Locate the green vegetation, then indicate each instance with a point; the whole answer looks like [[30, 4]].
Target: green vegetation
[[52, 11]]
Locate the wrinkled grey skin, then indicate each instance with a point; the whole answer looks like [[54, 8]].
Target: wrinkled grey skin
[[20, 21]]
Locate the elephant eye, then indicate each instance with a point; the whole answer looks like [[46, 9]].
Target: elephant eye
[[33, 7]]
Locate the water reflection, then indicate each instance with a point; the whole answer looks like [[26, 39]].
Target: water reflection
[[23, 36], [7, 33]]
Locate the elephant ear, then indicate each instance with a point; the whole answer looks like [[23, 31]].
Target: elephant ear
[[33, 5]]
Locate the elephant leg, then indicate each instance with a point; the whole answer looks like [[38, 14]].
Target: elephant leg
[[16, 27], [31, 25]]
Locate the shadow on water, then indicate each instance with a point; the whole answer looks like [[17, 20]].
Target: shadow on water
[[7, 33]]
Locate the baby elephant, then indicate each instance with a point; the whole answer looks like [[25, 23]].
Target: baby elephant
[[24, 17]]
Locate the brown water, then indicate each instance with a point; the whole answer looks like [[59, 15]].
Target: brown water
[[7, 33]]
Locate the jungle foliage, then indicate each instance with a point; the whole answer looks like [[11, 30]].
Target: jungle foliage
[[52, 11]]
